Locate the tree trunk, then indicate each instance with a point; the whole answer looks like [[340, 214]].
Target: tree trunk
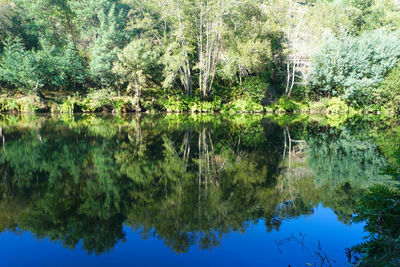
[[138, 91], [38, 92]]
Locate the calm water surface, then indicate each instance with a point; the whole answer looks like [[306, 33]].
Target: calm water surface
[[179, 190]]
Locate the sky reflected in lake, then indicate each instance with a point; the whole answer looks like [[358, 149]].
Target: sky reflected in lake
[[296, 243]]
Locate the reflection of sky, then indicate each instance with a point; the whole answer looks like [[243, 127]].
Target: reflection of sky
[[254, 248]]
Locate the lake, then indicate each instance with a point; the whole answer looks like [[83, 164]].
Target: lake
[[186, 190]]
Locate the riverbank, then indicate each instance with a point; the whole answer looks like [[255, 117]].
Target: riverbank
[[107, 102]]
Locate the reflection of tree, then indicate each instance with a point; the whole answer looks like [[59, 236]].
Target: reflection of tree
[[293, 150], [186, 182], [64, 183], [341, 157], [224, 187]]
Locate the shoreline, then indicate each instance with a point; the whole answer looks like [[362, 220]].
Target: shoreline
[[128, 105]]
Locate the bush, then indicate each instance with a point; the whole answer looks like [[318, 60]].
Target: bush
[[336, 105], [9, 104], [255, 88], [97, 100], [173, 104], [389, 89], [243, 105], [195, 104], [288, 105], [333, 105], [17, 66], [191, 104], [26, 104], [67, 106], [353, 67], [52, 67], [59, 68]]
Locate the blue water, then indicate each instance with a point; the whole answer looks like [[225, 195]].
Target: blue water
[[255, 247]]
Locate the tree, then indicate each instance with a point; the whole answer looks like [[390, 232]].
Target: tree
[[108, 39], [17, 66], [135, 65], [352, 67]]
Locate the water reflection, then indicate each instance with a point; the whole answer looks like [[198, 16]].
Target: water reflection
[[188, 180]]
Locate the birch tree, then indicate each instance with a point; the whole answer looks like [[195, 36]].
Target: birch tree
[[210, 29]]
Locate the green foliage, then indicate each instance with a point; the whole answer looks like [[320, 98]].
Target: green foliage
[[24, 70], [29, 104], [97, 99], [243, 104], [133, 46], [8, 104], [110, 35], [255, 88], [14, 25], [135, 66], [67, 106], [287, 105], [380, 210], [352, 67], [26, 104], [154, 52], [369, 15], [60, 69], [196, 104], [173, 104], [331, 105], [17, 66], [191, 104], [390, 89], [250, 47]]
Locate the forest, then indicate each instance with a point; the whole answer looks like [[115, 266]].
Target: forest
[[65, 56]]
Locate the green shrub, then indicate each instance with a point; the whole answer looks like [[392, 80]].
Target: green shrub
[[97, 100], [196, 104], [173, 104], [319, 106], [333, 105], [118, 104], [59, 67], [67, 106], [17, 66], [243, 105], [390, 89], [336, 105], [255, 88], [53, 67], [288, 105], [28, 104], [9, 104], [353, 67]]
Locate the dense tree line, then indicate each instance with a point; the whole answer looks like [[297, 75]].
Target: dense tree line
[[172, 47], [172, 54]]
